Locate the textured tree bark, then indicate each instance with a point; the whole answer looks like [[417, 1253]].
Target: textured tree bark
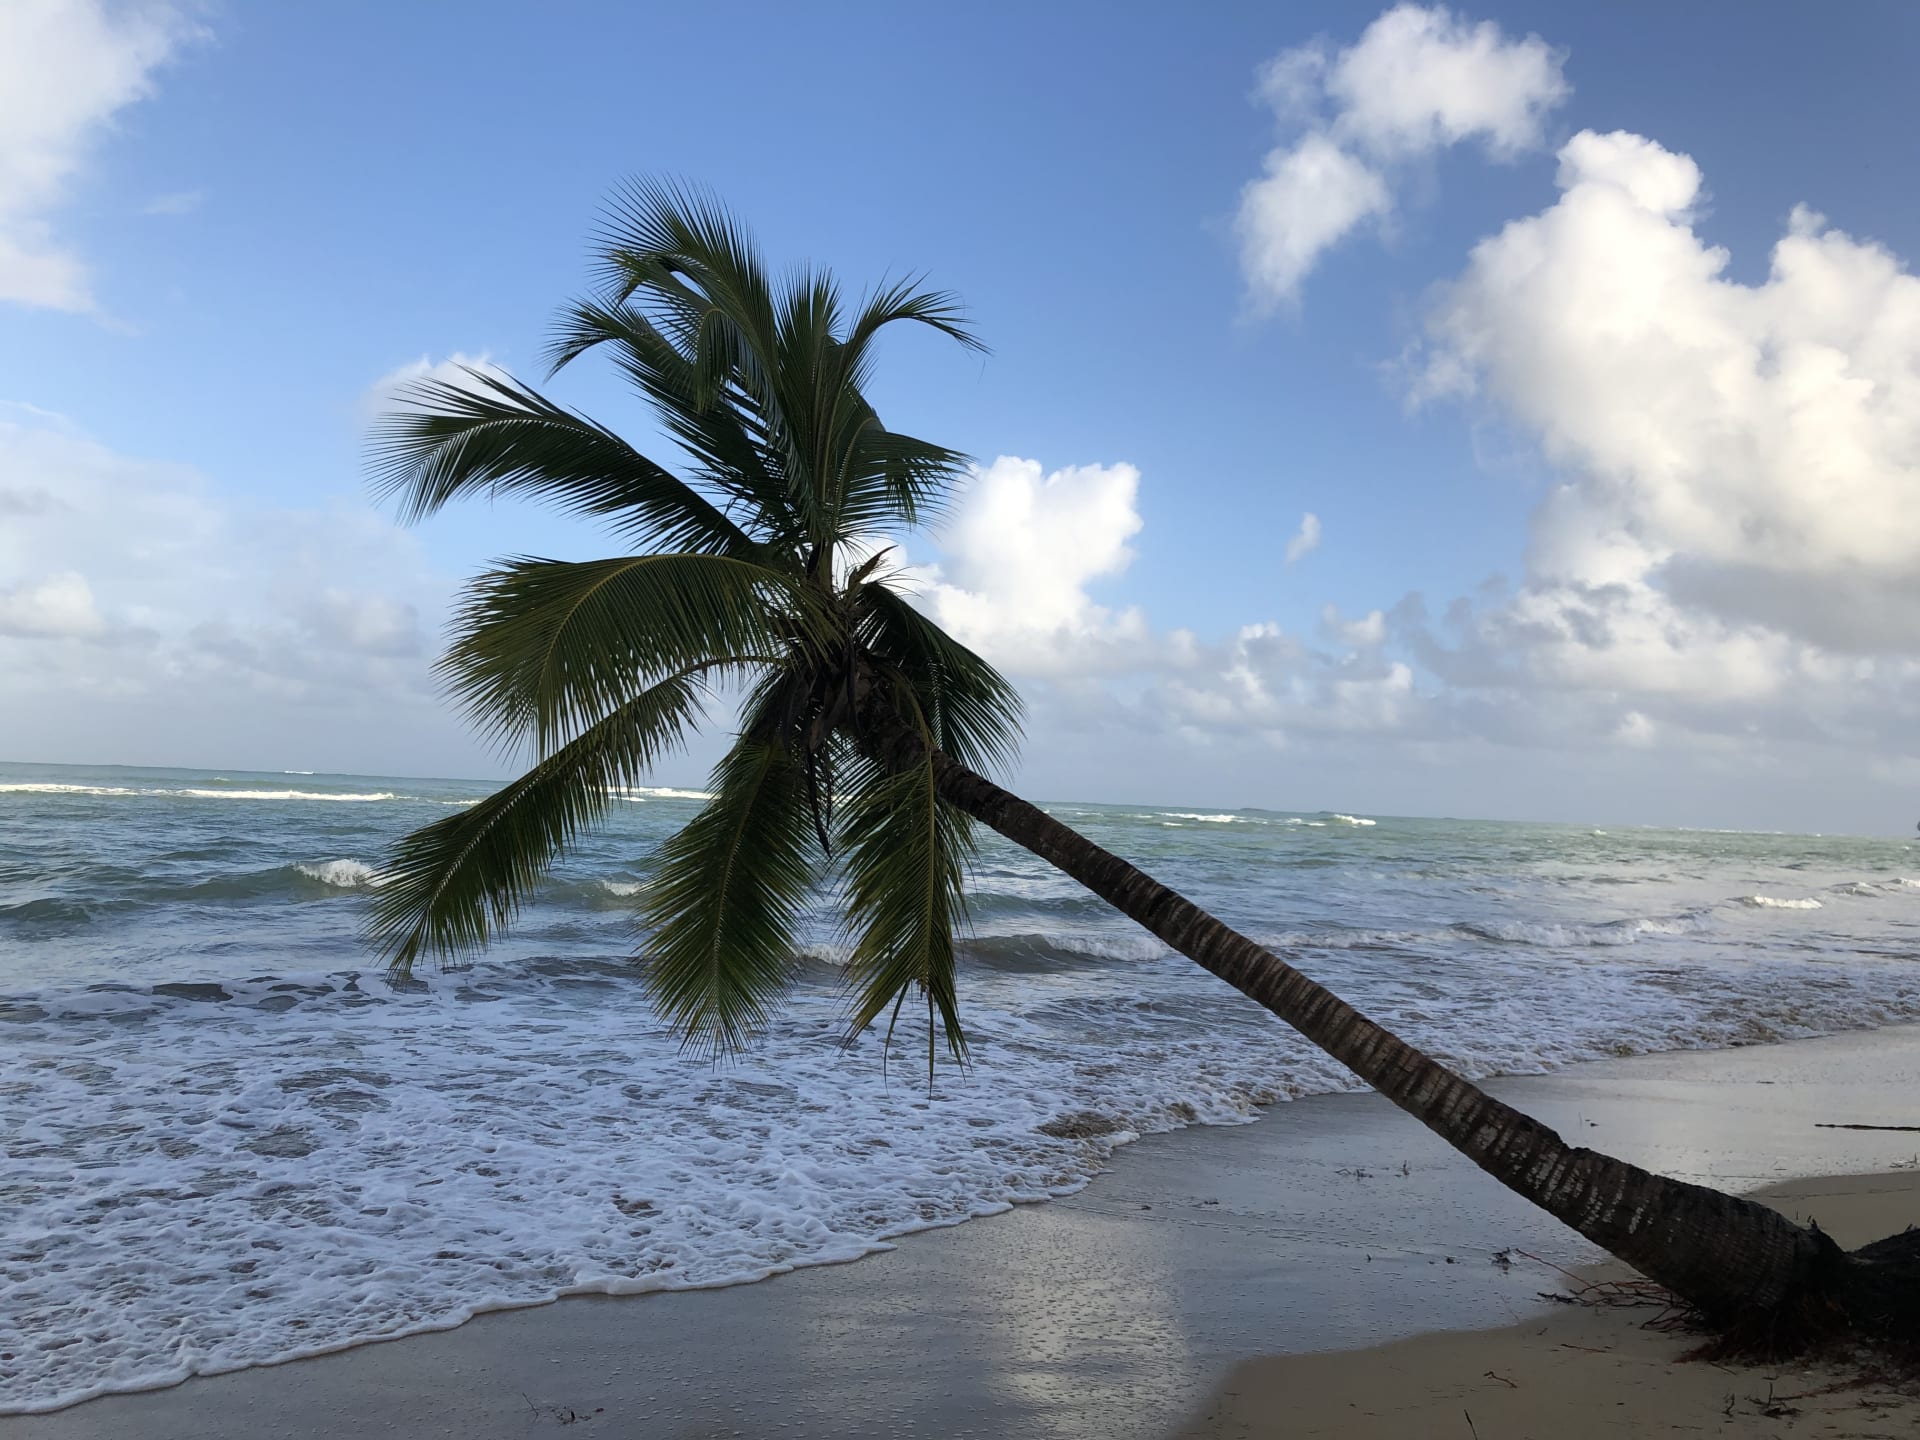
[[1746, 1267]]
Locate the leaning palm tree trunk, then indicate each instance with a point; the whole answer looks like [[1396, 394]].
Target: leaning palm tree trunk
[[1747, 1268], [1725, 1254]]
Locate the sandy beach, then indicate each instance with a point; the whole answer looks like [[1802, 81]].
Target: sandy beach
[[1584, 1372], [1332, 1225]]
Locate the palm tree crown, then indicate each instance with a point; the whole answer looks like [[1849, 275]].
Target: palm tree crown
[[758, 568]]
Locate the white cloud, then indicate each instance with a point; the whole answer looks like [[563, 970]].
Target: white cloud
[[1266, 684], [1305, 540], [1744, 459], [390, 390], [59, 606], [1366, 633], [144, 616], [1312, 194], [67, 67], [1020, 553], [1020, 550], [1419, 79]]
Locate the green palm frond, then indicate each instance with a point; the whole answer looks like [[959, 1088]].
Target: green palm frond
[[492, 435], [678, 252], [890, 480], [972, 712], [755, 572], [719, 428], [905, 302], [727, 891], [905, 852], [542, 648], [452, 884]]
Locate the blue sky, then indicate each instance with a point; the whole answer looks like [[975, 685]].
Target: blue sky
[[227, 223]]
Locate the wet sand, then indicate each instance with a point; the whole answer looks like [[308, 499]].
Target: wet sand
[[1334, 1223]]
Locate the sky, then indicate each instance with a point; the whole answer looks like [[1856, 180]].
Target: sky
[[1508, 411]]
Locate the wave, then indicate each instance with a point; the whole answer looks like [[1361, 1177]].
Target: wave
[[1214, 819], [1350, 820], [1769, 902], [49, 788], [1039, 950], [194, 793], [658, 792], [361, 798], [343, 874], [1628, 930]]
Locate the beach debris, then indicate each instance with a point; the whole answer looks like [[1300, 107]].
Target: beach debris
[[1827, 1125], [561, 1414], [1510, 1384], [1504, 1258]]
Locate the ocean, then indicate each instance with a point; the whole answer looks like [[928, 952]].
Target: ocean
[[227, 1139]]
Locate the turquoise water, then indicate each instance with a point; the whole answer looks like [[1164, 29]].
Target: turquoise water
[[226, 1138]]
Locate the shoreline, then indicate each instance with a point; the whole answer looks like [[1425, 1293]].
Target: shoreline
[[1115, 1310]]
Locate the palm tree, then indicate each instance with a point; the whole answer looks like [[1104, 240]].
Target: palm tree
[[761, 569]]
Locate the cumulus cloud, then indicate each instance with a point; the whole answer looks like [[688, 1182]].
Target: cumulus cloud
[[1305, 540], [1734, 549], [1020, 551], [1744, 459], [1365, 633], [1419, 79], [1020, 554], [67, 67], [1269, 685], [139, 608]]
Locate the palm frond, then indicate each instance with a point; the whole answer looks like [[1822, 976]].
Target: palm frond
[[972, 711], [893, 481], [450, 886], [492, 435], [543, 648], [677, 250], [905, 852], [721, 430], [726, 893], [903, 301]]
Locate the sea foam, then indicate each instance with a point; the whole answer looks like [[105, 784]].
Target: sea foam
[[342, 874]]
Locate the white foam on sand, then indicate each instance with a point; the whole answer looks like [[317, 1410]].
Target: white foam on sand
[[209, 1176]]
